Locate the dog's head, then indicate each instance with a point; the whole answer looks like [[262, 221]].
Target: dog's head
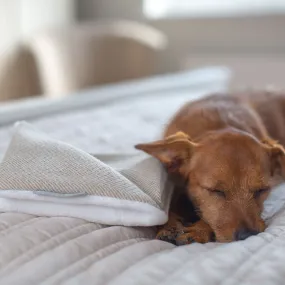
[[229, 175]]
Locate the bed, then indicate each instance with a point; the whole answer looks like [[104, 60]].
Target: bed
[[105, 119], [66, 250]]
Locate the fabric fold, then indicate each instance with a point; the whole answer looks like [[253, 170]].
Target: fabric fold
[[42, 176]]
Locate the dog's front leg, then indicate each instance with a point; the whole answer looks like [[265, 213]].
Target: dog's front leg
[[176, 232], [199, 232], [169, 231]]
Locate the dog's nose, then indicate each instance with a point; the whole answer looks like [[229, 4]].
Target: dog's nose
[[243, 234]]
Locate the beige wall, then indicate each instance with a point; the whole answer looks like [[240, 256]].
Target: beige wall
[[250, 71], [253, 46]]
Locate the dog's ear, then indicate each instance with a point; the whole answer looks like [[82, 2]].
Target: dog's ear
[[277, 157], [173, 152]]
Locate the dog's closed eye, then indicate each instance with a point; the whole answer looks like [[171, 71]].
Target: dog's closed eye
[[258, 193], [217, 192]]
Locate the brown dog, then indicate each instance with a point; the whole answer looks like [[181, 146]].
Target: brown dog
[[224, 148]]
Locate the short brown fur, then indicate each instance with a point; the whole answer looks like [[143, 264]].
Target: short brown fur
[[224, 147]]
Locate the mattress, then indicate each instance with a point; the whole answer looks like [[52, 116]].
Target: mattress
[[111, 119], [60, 250], [65, 250]]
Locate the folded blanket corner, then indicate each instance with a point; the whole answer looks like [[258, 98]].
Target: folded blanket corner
[[46, 177]]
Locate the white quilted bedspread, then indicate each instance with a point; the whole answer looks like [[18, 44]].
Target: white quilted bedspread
[[100, 123], [113, 128], [39, 250]]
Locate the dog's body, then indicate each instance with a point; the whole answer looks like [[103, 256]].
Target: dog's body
[[224, 148], [261, 114]]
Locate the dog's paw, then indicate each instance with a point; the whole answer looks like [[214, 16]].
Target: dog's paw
[[168, 235], [199, 232], [171, 229], [177, 232]]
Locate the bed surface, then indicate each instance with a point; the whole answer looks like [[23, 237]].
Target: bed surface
[[112, 119], [39, 250], [59, 250]]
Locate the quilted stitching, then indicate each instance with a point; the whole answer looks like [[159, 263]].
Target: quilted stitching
[[17, 226], [47, 244], [76, 266], [244, 268], [8, 220]]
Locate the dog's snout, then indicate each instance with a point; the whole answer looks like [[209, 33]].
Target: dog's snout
[[244, 233]]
